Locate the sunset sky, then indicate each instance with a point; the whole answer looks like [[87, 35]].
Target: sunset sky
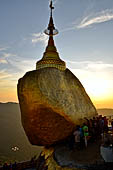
[[84, 42]]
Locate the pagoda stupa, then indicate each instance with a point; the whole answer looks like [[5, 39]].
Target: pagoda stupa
[[52, 100], [51, 57]]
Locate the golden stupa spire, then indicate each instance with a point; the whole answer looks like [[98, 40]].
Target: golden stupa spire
[[51, 56], [51, 29]]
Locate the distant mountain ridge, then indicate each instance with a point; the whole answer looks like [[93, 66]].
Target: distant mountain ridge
[[8, 103], [105, 111]]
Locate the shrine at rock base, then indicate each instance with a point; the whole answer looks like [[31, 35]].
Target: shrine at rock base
[[52, 99]]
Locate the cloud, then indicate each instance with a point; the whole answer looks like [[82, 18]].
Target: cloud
[[6, 55], [85, 69], [3, 61], [15, 69], [3, 49], [22, 66], [4, 74], [90, 65], [39, 37], [100, 17], [16, 65], [6, 80], [96, 77], [88, 21]]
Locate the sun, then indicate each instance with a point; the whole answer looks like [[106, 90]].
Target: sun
[[98, 88], [98, 84]]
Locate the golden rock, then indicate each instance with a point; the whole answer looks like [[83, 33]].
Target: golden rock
[[52, 102]]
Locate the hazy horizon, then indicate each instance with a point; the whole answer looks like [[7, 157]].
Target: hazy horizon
[[8, 102]]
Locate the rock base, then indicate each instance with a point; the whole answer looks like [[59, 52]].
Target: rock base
[[61, 157]]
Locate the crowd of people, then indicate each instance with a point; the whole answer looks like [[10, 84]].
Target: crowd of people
[[91, 130], [10, 166], [21, 165]]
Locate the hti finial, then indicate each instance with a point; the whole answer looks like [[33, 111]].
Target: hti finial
[[51, 6], [51, 29]]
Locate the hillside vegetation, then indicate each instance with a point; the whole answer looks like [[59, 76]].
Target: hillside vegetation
[[12, 135]]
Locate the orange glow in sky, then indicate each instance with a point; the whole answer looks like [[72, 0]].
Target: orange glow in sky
[[84, 43], [100, 93]]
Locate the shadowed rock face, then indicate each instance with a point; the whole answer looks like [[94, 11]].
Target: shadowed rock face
[[52, 102]]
